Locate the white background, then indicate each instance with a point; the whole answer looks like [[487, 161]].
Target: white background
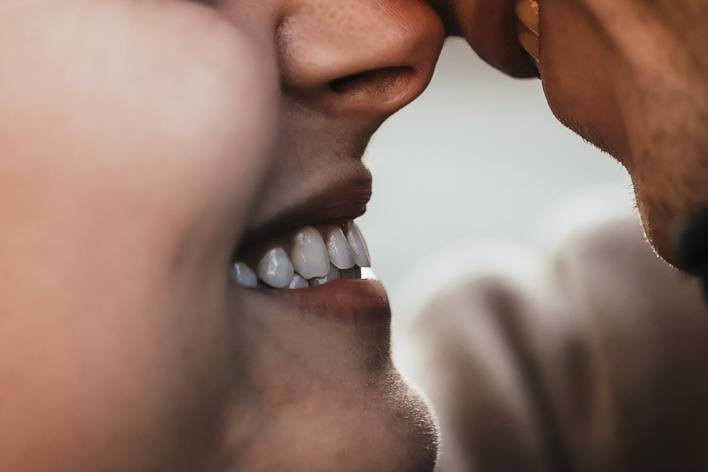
[[478, 157]]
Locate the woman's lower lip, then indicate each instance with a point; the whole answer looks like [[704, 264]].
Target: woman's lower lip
[[359, 302]]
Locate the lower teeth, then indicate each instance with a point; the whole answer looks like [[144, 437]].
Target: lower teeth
[[298, 283]]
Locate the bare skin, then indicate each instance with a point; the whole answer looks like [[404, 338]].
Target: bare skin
[[130, 176], [142, 141], [592, 359], [631, 77]]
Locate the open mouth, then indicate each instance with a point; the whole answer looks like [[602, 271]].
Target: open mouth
[[304, 252], [309, 256], [310, 242]]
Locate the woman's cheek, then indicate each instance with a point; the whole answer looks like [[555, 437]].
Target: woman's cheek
[[205, 137], [131, 180]]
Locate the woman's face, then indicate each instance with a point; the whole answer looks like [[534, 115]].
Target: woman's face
[[149, 145]]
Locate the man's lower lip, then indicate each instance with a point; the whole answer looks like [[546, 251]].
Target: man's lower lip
[[359, 302]]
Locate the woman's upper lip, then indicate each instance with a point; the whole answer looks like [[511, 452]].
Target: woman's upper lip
[[490, 28], [334, 203]]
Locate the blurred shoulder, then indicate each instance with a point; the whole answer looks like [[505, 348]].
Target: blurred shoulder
[[535, 358]]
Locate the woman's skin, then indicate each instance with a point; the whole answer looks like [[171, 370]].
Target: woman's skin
[[630, 77], [143, 144]]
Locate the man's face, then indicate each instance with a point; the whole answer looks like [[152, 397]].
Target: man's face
[[631, 77], [147, 147]]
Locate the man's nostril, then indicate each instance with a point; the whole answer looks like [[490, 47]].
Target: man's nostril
[[385, 83]]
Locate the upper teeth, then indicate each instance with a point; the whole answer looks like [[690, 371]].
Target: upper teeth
[[243, 275], [314, 256], [275, 268], [358, 245], [309, 254], [338, 248]]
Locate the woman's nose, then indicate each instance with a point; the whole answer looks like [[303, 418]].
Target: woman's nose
[[365, 58]]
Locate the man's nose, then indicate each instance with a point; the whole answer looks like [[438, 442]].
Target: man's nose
[[364, 58]]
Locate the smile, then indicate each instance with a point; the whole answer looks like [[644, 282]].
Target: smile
[[310, 256]]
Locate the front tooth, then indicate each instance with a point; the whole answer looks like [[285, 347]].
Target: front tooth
[[297, 282], [338, 248], [358, 245], [333, 274], [309, 254], [275, 268], [243, 275]]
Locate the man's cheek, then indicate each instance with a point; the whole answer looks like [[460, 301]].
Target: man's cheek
[[579, 69]]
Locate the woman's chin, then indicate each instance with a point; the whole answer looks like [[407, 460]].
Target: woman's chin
[[324, 370], [342, 422]]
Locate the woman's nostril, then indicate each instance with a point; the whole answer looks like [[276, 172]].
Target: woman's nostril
[[383, 83]]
